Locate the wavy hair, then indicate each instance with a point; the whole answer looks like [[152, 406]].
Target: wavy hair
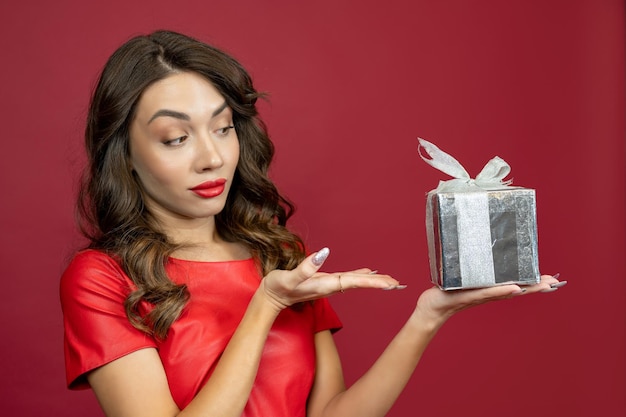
[[111, 209]]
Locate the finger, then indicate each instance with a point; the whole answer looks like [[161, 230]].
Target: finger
[[500, 292], [363, 271], [547, 283], [484, 295], [549, 279], [310, 265], [553, 282], [358, 279]]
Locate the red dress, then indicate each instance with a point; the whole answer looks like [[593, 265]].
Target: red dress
[[97, 331]]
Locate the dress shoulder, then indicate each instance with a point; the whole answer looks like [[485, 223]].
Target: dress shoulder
[[97, 331]]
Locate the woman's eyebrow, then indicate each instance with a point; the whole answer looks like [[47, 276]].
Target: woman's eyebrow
[[219, 109], [169, 113], [183, 116]]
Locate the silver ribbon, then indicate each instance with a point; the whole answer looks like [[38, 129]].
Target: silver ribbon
[[490, 178]]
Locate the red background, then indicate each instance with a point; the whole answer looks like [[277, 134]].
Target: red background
[[538, 82]]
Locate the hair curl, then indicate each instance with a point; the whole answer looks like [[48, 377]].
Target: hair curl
[[111, 209]]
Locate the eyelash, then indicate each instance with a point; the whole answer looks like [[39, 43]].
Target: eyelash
[[225, 130], [170, 142], [178, 141]]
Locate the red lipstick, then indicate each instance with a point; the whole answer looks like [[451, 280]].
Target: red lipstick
[[210, 189]]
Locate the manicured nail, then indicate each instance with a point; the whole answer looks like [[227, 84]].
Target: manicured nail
[[320, 256], [374, 272], [557, 275], [558, 284], [518, 292], [551, 289]]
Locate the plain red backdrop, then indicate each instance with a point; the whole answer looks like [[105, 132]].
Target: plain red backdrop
[[352, 84]]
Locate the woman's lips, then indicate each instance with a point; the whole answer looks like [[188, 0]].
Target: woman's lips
[[210, 189]]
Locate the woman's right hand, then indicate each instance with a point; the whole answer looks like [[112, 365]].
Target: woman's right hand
[[304, 283]]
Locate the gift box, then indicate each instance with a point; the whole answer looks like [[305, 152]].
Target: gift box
[[481, 232]]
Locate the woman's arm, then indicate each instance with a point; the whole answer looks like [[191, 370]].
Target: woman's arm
[[136, 385], [376, 391]]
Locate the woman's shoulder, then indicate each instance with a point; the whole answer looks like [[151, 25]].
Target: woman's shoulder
[[91, 259], [92, 270]]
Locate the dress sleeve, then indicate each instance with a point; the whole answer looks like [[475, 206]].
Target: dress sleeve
[[325, 316], [97, 331]]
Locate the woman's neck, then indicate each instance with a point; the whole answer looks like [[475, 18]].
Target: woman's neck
[[217, 252], [201, 241]]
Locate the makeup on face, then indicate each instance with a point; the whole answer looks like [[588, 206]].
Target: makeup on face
[[210, 189], [184, 148]]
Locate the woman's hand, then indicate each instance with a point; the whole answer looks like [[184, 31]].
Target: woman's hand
[[305, 283], [436, 305]]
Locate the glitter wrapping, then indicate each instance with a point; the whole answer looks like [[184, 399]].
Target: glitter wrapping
[[481, 238]]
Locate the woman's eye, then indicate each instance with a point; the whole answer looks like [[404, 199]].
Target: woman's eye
[[224, 130], [175, 142]]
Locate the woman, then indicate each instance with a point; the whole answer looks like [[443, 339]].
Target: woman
[[193, 298]]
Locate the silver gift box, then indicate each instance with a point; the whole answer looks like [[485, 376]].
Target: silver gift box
[[482, 238]]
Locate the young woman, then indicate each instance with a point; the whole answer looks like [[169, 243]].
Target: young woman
[[193, 298]]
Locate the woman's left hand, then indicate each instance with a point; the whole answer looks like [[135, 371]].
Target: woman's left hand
[[438, 305]]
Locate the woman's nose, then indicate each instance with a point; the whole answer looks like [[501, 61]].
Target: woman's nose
[[207, 154]]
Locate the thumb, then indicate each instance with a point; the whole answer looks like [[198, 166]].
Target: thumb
[[312, 263]]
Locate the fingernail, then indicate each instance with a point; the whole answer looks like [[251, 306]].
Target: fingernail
[[320, 256], [518, 292], [558, 284], [374, 272], [551, 289], [557, 275]]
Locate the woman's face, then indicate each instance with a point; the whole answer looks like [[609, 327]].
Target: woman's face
[[183, 148]]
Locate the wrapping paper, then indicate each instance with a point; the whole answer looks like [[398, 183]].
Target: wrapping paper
[[481, 232]]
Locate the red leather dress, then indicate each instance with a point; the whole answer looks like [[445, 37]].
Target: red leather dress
[[97, 331]]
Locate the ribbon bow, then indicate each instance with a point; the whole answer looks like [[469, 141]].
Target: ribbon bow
[[490, 178]]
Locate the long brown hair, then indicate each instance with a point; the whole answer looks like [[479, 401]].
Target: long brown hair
[[111, 208]]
